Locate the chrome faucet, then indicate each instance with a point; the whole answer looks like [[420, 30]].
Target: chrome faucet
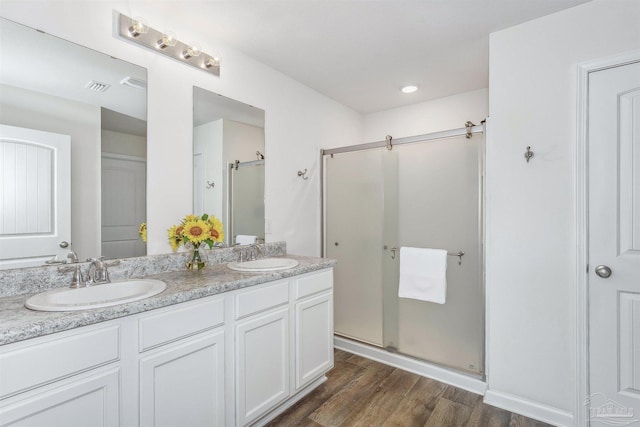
[[98, 272], [256, 251], [72, 257]]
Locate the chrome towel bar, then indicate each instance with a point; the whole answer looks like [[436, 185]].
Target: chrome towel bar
[[459, 254]]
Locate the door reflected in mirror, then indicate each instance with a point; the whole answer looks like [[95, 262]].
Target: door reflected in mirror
[[99, 104], [228, 165]]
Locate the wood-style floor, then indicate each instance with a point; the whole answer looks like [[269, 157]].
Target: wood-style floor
[[361, 392]]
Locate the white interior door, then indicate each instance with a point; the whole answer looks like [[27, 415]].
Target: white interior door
[[35, 196], [614, 245], [123, 205]]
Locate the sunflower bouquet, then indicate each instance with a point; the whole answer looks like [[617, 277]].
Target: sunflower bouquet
[[196, 230]]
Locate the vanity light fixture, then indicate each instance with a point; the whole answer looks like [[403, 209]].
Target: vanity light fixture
[[409, 88], [135, 30]]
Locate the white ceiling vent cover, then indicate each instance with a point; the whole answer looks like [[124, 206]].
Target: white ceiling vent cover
[[133, 82], [99, 87]]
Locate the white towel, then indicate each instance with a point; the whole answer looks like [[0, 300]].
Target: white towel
[[243, 239], [423, 274]]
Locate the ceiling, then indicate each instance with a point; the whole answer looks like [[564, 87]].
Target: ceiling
[[361, 52]]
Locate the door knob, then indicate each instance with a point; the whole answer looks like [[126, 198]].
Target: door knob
[[64, 244], [603, 271]]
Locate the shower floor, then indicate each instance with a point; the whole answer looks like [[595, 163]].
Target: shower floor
[[361, 392]]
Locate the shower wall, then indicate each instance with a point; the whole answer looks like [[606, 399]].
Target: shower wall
[[425, 195]]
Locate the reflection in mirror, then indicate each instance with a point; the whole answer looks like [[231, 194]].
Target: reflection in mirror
[[52, 90], [228, 165]]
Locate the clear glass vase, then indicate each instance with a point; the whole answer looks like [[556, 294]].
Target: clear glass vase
[[195, 260]]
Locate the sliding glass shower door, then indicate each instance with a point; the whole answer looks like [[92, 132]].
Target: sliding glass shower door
[[424, 195]]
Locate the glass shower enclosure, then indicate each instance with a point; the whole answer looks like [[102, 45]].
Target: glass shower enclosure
[[246, 200], [422, 194]]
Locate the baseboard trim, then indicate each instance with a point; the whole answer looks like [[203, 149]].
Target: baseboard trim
[[528, 408], [425, 369]]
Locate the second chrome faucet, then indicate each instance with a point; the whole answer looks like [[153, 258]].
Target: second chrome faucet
[[96, 275]]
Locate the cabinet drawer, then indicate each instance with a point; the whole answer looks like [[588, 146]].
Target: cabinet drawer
[[53, 358], [313, 284], [176, 323], [261, 299]]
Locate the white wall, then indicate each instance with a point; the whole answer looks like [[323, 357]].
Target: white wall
[[123, 143], [299, 121], [33, 110], [241, 141], [531, 215], [426, 117], [208, 142]]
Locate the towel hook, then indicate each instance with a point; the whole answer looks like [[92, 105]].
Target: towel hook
[[529, 154], [303, 174], [469, 126]]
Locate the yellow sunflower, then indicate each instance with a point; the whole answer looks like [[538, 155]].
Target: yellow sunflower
[[217, 229], [175, 236], [196, 231], [190, 217], [142, 231]]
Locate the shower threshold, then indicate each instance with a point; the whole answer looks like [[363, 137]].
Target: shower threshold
[[392, 357]]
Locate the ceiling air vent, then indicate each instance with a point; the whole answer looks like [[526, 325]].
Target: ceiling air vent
[[133, 82], [99, 87]]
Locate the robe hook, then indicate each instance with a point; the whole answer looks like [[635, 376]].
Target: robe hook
[[529, 154]]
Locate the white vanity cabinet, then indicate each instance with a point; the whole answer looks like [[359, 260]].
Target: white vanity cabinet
[[182, 367], [66, 379], [233, 359], [314, 327], [262, 350], [284, 343]]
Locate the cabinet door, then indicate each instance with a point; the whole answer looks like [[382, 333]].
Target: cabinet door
[[89, 400], [314, 338], [262, 364], [183, 383]]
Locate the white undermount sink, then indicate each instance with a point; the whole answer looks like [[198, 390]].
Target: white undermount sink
[[264, 264], [97, 296]]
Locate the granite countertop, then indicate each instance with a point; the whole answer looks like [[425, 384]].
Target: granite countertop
[[18, 323]]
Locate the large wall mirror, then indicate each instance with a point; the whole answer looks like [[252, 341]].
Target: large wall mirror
[[228, 165], [72, 150]]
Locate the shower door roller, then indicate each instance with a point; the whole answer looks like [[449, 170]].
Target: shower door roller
[[603, 271]]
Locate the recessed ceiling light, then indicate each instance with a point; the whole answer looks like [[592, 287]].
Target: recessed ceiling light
[[409, 89]]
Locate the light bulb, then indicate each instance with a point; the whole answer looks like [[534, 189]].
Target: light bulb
[[138, 26], [213, 61], [168, 39], [191, 52]]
